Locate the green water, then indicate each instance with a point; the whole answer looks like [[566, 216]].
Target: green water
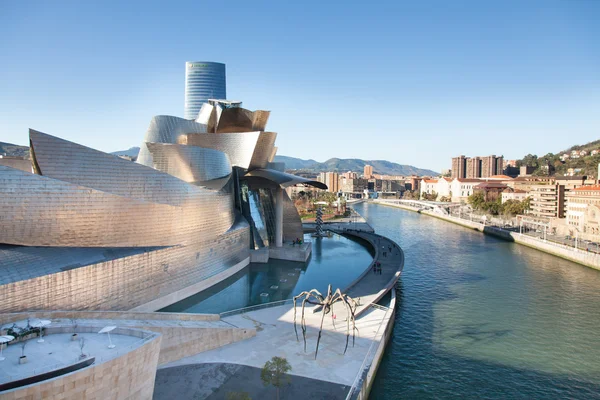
[[336, 260], [482, 318]]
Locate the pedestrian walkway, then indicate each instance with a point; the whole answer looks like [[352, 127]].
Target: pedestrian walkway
[[382, 274]]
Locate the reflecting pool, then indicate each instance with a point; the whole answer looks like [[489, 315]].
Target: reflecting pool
[[335, 260]]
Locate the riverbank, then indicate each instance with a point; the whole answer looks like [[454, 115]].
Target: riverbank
[[582, 257]]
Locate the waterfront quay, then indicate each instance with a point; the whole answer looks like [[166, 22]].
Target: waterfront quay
[[330, 373], [560, 249]]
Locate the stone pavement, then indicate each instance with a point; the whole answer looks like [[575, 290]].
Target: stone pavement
[[371, 287], [58, 351], [276, 337]]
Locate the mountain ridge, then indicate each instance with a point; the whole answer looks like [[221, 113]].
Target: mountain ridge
[[383, 167]]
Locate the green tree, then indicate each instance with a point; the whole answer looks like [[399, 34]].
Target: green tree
[[476, 200], [275, 373], [238, 396]]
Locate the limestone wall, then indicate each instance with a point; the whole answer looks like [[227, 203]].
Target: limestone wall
[[129, 376], [129, 282], [177, 341]]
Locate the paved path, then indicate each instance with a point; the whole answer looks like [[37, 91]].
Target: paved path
[[276, 336], [373, 285]]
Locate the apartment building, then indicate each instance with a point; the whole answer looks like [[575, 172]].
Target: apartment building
[[547, 200], [477, 167]]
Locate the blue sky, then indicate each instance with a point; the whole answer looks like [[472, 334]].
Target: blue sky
[[411, 82]]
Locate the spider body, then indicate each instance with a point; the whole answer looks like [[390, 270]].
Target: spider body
[[326, 304]]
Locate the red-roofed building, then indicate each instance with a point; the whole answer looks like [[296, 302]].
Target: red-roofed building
[[492, 190], [428, 186]]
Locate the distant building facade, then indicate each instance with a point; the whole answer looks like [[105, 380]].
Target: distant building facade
[[331, 179], [368, 171], [492, 190], [476, 167], [353, 188], [547, 200], [512, 194], [583, 212], [462, 188], [203, 80], [427, 186]]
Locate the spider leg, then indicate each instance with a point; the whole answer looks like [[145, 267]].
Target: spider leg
[[332, 314], [319, 338], [303, 323]]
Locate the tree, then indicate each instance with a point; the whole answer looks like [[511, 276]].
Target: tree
[[275, 373], [476, 200], [430, 196], [238, 396]]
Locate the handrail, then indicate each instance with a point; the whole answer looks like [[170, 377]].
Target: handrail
[[368, 360], [244, 310]]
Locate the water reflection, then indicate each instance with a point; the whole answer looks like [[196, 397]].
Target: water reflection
[[483, 318], [335, 260]]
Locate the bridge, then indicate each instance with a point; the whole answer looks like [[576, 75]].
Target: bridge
[[438, 207]]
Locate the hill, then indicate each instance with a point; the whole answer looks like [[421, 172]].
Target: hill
[[353, 164], [131, 152], [14, 150], [577, 160]]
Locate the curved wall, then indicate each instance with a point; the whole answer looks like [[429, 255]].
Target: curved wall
[[39, 211], [128, 282], [166, 129], [203, 80], [189, 163], [128, 376], [245, 149]]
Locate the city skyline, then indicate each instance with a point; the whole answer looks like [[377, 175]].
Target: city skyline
[[431, 82]]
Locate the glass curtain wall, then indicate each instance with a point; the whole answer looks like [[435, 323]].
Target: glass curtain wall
[[258, 207]]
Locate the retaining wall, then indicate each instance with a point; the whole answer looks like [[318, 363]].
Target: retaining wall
[[177, 341], [129, 376], [586, 258]]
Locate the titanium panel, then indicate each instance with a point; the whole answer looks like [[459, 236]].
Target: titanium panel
[[70, 162], [190, 163], [238, 119], [40, 211], [245, 149], [166, 129]]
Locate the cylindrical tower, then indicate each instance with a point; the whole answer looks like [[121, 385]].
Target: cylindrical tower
[[203, 80]]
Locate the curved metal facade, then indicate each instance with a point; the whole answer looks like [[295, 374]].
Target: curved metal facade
[[190, 163], [40, 211], [101, 232], [166, 129], [246, 150], [203, 80]]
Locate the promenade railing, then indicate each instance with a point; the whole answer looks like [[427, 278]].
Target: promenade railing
[[365, 367], [256, 307]]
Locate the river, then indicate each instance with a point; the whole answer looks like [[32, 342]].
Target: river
[[483, 318]]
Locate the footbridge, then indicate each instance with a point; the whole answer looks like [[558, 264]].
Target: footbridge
[[439, 207]]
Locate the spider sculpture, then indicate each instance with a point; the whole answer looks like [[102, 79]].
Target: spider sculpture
[[326, 305]]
